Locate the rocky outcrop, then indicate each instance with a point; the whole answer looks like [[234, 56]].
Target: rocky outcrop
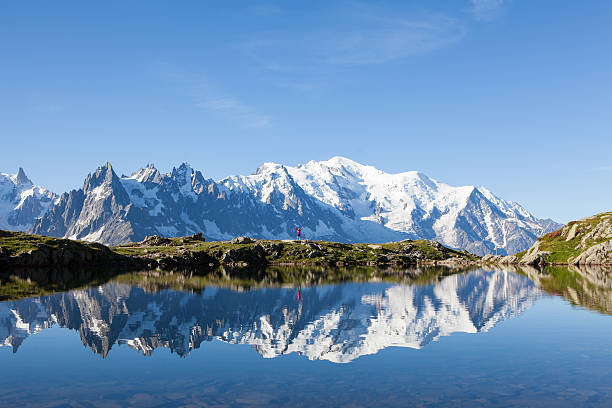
[[584, 242], [533, 256], [600, 254], [255, 255], [66, 253]]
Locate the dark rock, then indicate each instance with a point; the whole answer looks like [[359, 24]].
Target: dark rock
[[314, 254], [193, 238], [197, 237], [249, 255]]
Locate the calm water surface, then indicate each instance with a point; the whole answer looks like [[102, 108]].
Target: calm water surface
[[479, 338]]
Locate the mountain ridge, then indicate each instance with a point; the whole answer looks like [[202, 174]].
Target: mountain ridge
[[334, 200]]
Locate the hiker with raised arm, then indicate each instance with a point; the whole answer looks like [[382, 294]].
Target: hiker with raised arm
[[299, 232]]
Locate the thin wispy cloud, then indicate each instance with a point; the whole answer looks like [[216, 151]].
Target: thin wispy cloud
[[233, 109], [207, 97], [368, 36], [486, 10], [392, 39]]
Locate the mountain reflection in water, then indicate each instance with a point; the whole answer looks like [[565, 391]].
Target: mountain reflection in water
[[338, 322]]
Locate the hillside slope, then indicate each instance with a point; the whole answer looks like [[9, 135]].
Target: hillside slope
[[584, 242]]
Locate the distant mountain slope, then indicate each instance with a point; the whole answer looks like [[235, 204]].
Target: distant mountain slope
[[21, 202], [337, 199]]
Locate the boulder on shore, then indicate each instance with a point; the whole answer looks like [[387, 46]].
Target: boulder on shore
[[245, 255]]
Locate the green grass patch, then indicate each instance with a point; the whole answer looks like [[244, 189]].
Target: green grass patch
[[561, 250]]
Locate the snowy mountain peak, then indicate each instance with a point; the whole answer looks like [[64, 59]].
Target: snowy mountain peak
[[183, 175], [184, 168], [21, 202], [104, 176], [21, 178], [340, 161], [147, 174], [270, 168], [189, 182], [350, 167]]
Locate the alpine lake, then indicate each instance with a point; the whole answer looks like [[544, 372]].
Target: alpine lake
[[299, 337]]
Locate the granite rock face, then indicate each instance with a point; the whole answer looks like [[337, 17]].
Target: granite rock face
[[600, 254]]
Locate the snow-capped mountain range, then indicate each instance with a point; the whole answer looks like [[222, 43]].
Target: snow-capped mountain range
[[339, 323], [21, 202], [337, 199]]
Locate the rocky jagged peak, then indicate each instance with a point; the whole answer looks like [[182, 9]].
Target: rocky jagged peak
[[183, 173], [198, 182], [104, 182], [183, 168], [147, 174], [21, 178], [103, 171], [103, 175], [188, 181]]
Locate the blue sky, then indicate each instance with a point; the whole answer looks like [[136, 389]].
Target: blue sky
[[514, 95]]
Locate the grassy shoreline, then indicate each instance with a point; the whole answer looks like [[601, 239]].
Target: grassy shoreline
[[20, 249]]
